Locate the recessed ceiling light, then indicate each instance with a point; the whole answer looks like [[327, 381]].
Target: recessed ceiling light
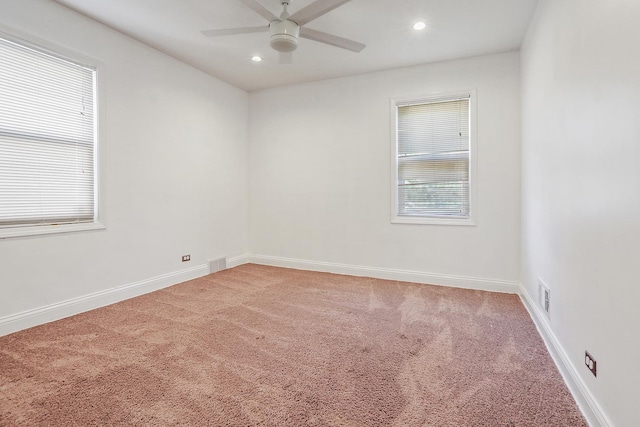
[[256, 58], [419, 26]]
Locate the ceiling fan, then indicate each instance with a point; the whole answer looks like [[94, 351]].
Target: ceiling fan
[[286, 29]]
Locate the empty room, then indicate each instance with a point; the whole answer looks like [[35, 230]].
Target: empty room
[[319, 212]]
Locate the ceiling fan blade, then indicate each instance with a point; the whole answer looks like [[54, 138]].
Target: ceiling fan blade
[[285, 58], [315, 10], [332, 40], [230, 31], [259, 9]]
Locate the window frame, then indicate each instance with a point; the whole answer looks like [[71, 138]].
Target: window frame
[[66, 54], [473, 156]]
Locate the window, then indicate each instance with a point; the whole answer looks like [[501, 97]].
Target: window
[[48, 141], [433, 160]]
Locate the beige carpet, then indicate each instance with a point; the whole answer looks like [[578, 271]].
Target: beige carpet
[[257, 345]]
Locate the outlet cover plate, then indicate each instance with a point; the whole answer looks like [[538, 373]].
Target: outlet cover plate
[[590, 362]]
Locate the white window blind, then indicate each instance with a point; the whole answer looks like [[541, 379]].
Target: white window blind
[[47, 137], [433, 150]]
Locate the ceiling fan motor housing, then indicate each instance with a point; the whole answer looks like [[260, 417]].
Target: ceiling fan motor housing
[[284, 35]]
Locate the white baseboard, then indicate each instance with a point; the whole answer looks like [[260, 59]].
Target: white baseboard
[[27, 319], [592, 411], [492, 285], [238, 260]]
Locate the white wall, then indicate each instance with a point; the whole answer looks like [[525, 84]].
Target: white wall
[[581, 187], [320, 172], [176, 178]]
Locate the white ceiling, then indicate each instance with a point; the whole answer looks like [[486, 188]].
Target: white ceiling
[[455, 29]]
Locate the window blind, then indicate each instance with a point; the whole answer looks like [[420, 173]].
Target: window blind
[[433, 158], [47, 137]]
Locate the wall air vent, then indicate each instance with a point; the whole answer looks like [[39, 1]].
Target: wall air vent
[[217, 264], [544, 297]]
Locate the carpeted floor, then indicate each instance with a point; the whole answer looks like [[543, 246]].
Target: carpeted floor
[[257, 345]]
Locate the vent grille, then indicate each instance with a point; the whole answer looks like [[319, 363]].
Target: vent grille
[[217, 264], [544, 297]]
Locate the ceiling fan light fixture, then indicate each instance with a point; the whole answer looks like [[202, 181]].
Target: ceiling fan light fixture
[[284, 35], [285, 30]]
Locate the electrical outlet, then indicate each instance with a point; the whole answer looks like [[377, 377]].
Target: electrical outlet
[[590, 362], [186, 258]]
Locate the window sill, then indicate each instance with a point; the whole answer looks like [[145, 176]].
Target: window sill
[[432, 220], [39, 230]]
